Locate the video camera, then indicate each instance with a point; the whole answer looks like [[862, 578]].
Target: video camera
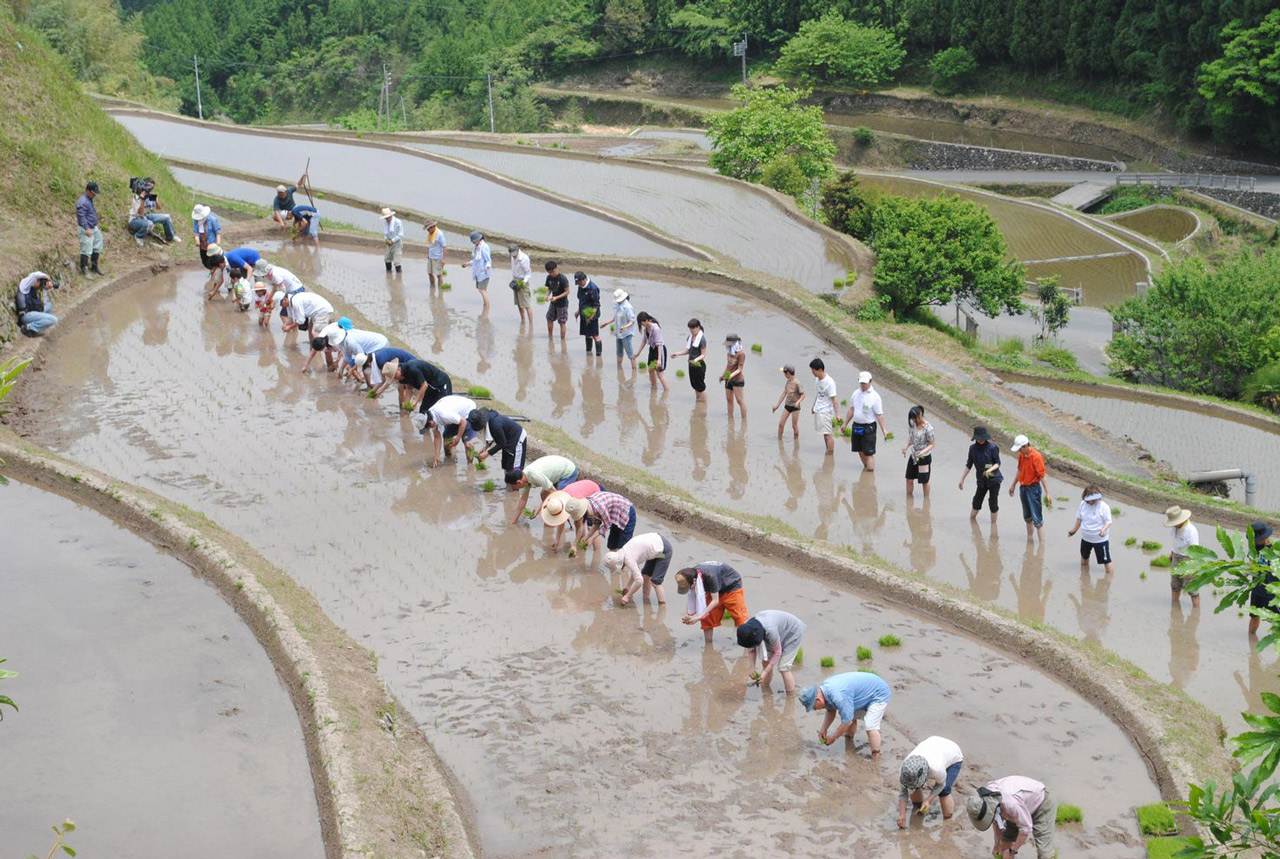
[[143, 187]]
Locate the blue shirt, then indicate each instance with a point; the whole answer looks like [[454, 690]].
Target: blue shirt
[[211, 229], [86, 213], [391, 353], [853, 691], [435, 250], [481, 262], [286, 204], [245, 258], [624, 314], [303, 213]]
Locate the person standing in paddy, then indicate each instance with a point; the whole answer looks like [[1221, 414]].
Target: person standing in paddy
[[985, 457], [849, 695], [1022, 810], [866, 409], [791, 397], [918, 450], [643, 561], [557, 299], [208, 232], [435, 253], [481, 265], [781, 633], [393, 234], [651, 337], [734, 380], [547, 474], [935, 759], [695, 346], [1033, 488], [588, 313], [499, 434], [624, 323], [1093, 521], [1183, 534], [1261, 596], [722, 586], [824, 404], [521, 276]]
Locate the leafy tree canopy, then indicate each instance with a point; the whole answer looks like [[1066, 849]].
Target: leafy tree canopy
[[770, 125], [833, 50]]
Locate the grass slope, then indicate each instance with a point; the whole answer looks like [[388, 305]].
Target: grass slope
[[53, 139]]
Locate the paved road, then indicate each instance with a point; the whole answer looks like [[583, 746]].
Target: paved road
[[1086, 336], [1269, 184]]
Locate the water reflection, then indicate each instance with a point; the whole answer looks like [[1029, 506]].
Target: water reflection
[[1184, 645], [985, 575], [1092, 613], [1031, 589]]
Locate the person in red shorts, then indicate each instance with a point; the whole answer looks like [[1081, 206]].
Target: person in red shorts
[[722, 585]]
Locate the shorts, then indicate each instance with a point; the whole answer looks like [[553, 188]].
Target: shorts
[[1260, 597], [1101, 551], [558, 313], [522, 296], [313, 227], [627, 343], [655, 569], [618, 537], [483, 285], [993, 501], [436, 267], [953, 772], [573, 478], [734, 603], [872, 716], [698, 376], [658, 358], [317, 321], [863, 440], [1032, 498], [919, 468], [822, 422], [788, 658], [791, 409], [730, 384]]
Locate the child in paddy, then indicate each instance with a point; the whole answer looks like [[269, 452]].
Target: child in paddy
[[651, 336], [263, 301], [791, 397]]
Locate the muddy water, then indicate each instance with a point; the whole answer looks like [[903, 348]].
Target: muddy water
[[732, 220], [1166, 223], [400, 179], [692, 135], [1164, 431], [576, 727], [150, 715], [1037, 234]]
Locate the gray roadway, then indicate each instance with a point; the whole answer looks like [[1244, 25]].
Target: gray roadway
[[1270, 184]]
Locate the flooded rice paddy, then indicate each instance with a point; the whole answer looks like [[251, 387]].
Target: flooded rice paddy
[[1163, 223], [128, 665], [576, 727]]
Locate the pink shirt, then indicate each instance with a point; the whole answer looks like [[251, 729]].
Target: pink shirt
[[582, 489], [641, 549], [1019, 798]]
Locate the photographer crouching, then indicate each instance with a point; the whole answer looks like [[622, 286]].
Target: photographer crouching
[[33, 303]]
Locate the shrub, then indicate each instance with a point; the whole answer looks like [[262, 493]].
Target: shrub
[[1263, 387], [863, 136], [828, 662], [952, 70], [890, 640], [1057, 358], [1156, 819], [783, 174], [874, 309], [770, 125], [1068, 813], [831, 49], [864, 654], [847, 208]]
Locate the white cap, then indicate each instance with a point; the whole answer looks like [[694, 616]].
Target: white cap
[[864, 378], [419, 421], [1019, 442], [281, 189], [359, 359], [277, 298], [333, 333]]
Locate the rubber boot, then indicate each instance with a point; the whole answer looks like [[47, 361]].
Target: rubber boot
[[95, 268], [398, 271], [599, 348], [84, 265], [588, 345], [388, 266]]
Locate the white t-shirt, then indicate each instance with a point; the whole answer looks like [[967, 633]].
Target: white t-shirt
[[521, 268], [1185, 536], [451, 410], [826, 399], [940, 753], [286, 280], [866, 405], [1092, 518], [304, 305]]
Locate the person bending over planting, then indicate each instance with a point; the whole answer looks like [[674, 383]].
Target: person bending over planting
[[422, 384], [546, 473], [330, 338], [555, 510], [781, 633], [498, 432], [643, 561], [1022, 810], [849, 695], [447, 420], [720, 587], [936, 759], [606, 512]]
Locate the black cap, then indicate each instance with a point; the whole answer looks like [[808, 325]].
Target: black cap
[[579, 275], [92, 186], [477, 418], [750, 634], [1261, 531]]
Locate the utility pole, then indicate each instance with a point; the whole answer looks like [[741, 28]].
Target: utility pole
[[386, 89], [740, 50], [489, 82], [199, 103]]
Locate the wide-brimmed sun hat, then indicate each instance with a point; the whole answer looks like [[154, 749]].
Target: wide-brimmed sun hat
[[980, 434], [613, 560], [620, 295], [213, 250], [261, 267], [476, 235], [982, 810], [1093, 496], [388, 213], [1019, 442], [913, 773], [577, 508], [333, 334], [200, 212], [555, 510], [1176, 516]]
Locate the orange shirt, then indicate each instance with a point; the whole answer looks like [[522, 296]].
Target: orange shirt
[[1030, 466]]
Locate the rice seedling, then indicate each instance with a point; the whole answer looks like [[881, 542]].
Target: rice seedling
[[1160, 561], [488, 486], [1156, 819], [828, 662], [478, 391], [1165, 848], [481, 465], [1142, 576], [888, 436], [864, 653], [1116, 511], [890, 640], [799, 655], [838, 283], [1130, 541], [679, 374], [1151, 546], [757, 348], [1068, 813]]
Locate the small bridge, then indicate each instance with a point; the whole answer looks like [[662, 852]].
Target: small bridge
[[1083, 196]]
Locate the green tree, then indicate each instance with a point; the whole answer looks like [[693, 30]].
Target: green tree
[[952, 70], [704, 32], [1054, 310], [847, 207], [833, 50], [783, 174], [769, 126], [1200, 329], [1242, 87], [930, 251]]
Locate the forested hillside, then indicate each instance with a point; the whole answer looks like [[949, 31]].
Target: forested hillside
[[272, 59]]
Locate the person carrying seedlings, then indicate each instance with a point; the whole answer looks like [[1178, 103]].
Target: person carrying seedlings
[[781, 633], [722, 585], [546, 473], [651, 336], [435, 253], [555, 510], [422, 384], [643, 561], [918, 450], [357, 352], [1033, 488], [306, 223], [985, 457], [849, 695], [790, 399], [1261, 596], [624, 323], [734, 380], [608, 512], [935, 759], [588, 312], [1022, 810], [521, 275], [481, 263], [695, 346], [34, 304], [447, 420], [329, 340], [263, 300], [824, 404], [500, 434], [557, 298], [866, 409], [1182, 534], [1093, 521], [282, 203]]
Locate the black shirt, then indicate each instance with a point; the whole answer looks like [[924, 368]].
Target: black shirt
[[982, 455], [418, 372], [506, 434], [556, 284]]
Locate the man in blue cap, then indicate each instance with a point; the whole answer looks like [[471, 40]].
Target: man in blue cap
[[849, 695]]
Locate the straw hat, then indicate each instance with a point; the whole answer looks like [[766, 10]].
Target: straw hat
[[555, 510], [577, 508], [200, 212], [1176, 517], [214, 250], [388, 213]]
